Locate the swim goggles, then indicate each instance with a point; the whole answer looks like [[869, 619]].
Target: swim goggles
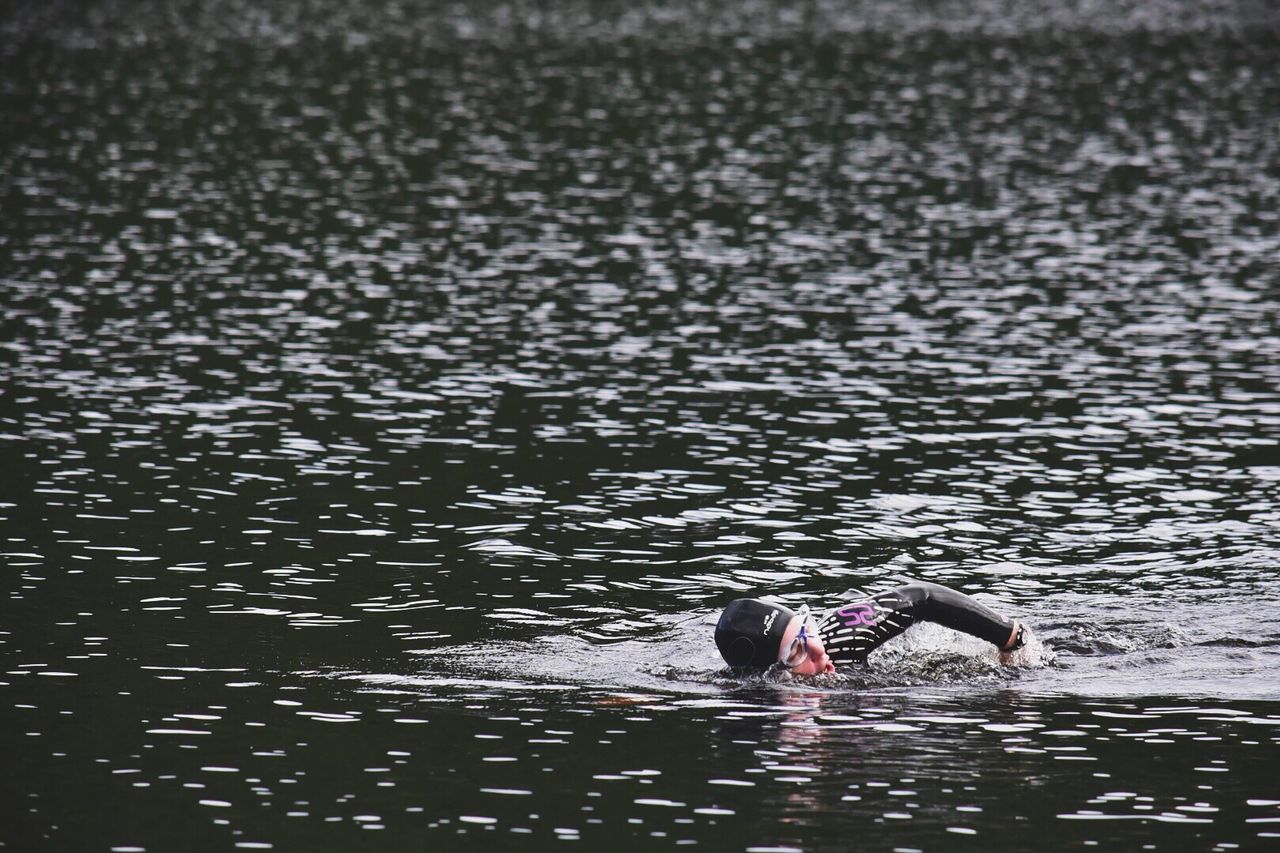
[[798, 651]]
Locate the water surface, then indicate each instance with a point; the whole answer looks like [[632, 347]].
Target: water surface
[[392, 397]]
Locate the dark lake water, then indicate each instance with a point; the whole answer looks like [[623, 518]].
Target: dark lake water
[[390, 398]]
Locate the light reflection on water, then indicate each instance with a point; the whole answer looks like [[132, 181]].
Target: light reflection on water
[[391, 399]]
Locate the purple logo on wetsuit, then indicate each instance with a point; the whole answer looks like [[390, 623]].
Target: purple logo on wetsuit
[[853, 615]]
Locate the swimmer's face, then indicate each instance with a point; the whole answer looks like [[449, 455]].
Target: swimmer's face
[[815, 660]]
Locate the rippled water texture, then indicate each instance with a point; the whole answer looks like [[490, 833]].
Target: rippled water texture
[[391, 397]]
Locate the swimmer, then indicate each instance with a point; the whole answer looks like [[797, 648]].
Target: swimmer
[[755, 634]]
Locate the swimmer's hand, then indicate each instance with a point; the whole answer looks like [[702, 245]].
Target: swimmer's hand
[[1019, 637]]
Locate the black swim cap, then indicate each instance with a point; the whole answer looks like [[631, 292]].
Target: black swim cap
[[750, 631]]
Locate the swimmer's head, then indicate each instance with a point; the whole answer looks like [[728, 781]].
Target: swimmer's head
[[755, 634], [749, 633]]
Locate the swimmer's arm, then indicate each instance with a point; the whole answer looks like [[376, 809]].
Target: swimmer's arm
[[855, 630], [953, 609]]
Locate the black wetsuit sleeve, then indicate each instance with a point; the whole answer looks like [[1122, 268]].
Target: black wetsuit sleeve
[[853, 631]]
